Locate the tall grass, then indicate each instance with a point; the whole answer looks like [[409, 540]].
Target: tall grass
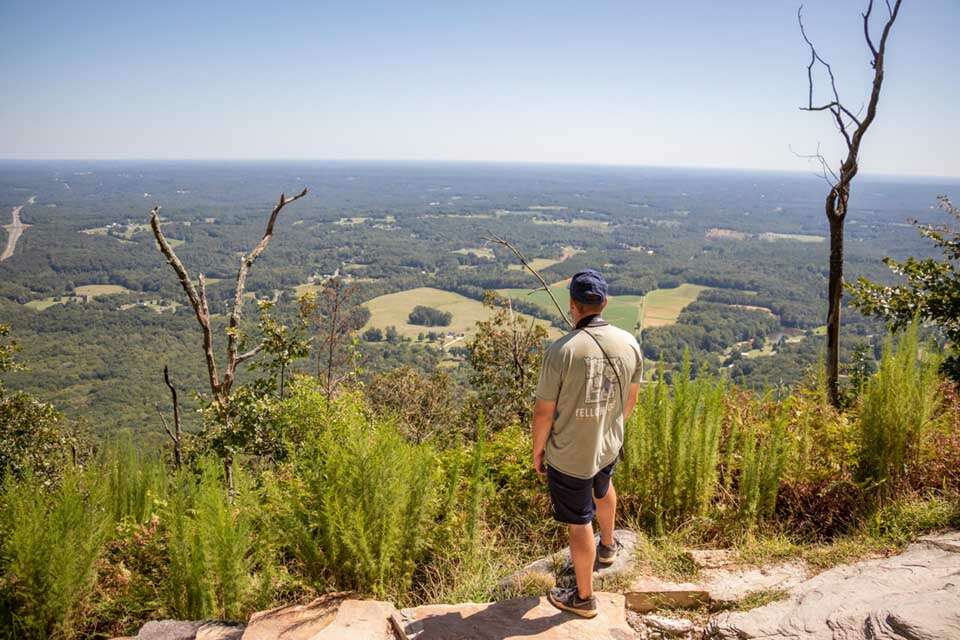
[[898, 403], [672, 449], [50, 540], [211, 546], [763, 446], [135, 480]]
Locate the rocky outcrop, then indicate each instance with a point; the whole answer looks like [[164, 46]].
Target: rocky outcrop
[[331, 617], [169, 630], [519, 618], [722, 582], [181, 630], [558, 569], [911, 596]]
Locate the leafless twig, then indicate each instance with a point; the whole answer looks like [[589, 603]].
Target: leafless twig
[[176, 435], [523, 260]]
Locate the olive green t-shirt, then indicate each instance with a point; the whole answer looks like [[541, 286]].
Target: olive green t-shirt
[[587, 430]]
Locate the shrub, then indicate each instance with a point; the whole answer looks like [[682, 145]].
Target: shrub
[[134, 481], [429, 317], [355, 513], [763, 447], [899, 403], [210, 544], [50, 539], [672, 449]]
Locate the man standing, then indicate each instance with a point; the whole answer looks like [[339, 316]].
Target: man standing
[[588, 387]]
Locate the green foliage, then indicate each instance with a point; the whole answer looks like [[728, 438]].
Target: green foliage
[[424, 404], [210, 544], [505, 355], [763, 447], [34, 437], [357, 504], [672, 448], [8, 348], [50, 539], [931, 291], [135, 480], [477, 485], [898, 403]]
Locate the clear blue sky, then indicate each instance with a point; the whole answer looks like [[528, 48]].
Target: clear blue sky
[[684, 82]]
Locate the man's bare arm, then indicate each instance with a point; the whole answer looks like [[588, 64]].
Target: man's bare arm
[[631, 401], [543, 412]]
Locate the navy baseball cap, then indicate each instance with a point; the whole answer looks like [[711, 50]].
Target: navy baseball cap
[[588, 287]]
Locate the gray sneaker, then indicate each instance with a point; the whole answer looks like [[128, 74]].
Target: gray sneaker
[[607, 553], [570, 600]]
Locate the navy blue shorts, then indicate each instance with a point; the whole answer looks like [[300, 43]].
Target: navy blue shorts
[[572, 497]]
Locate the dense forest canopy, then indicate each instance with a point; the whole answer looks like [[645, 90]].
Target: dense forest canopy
[[90, 297]]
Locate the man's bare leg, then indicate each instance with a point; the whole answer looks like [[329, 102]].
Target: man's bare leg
[[583, 554], [607, 514]]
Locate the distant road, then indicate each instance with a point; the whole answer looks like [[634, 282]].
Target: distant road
[[15, 230]]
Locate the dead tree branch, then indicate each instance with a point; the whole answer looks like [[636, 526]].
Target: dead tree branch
[[176, 435], [523, 260], [233, 332], [198, 300]]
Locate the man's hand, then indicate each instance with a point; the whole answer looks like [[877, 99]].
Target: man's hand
[[538, 464]]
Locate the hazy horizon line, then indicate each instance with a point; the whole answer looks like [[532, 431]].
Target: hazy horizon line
[[530, 163]]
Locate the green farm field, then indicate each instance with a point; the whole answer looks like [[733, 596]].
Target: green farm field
[[393, 309], [660, 307]]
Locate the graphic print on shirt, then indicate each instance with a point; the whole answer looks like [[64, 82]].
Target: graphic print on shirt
[[601, 381]]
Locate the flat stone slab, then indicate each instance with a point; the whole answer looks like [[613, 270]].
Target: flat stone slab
[[647, 594], [517, 619], [169, 630], [720, 586], [911, 596], [560, 567], [294, 622], [360, 620]]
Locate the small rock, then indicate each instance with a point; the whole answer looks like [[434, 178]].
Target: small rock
[[169, 630], [712, 558], [673, 627]]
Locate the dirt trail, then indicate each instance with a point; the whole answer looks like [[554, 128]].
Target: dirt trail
[[15, 230]]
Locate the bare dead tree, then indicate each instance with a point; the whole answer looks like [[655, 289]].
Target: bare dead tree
[[220, 385], [176, 435], [852, 128], [494, 238]]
